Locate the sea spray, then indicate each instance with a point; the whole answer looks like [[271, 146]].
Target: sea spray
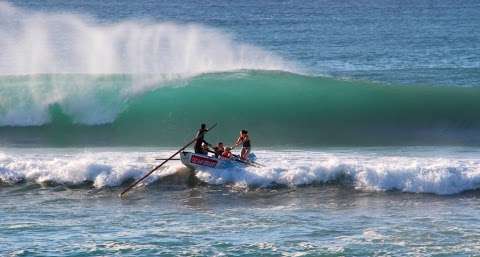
[[49, 43]]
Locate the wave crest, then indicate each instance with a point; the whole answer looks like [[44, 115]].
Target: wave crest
[[35, 45]]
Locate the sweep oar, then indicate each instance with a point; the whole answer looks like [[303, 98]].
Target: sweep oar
[[249, 162], [161, 164]]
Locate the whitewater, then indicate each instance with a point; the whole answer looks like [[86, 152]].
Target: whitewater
[[365, 169]]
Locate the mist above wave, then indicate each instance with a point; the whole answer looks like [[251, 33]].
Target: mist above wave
[[38, 43], [49, 43]]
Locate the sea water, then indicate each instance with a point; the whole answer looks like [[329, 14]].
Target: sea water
[[365, 116]]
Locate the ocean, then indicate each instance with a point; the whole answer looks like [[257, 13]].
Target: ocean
[[365, 115]]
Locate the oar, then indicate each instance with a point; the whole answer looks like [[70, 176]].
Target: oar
[[161, 164], [239, 159], [244, 162], [163, 159]]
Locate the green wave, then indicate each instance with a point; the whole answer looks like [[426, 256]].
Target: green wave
[[279, 109]]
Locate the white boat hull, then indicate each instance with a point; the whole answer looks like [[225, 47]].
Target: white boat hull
[[200, 161]]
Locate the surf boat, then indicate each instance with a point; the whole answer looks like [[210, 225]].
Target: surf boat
[[199, 161]]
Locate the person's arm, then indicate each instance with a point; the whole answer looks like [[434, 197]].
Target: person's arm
[[205, 142], [239, 141]]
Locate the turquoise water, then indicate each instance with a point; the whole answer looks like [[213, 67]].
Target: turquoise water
[[345, 112], [364, 114]]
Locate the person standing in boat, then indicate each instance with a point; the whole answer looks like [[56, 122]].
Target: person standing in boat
[[200, 140], [244, 139]]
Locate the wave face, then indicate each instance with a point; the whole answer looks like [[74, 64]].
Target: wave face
[[406, 170], [278, 108]]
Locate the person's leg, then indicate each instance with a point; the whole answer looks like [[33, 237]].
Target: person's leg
[[245, 152], [198, 150]]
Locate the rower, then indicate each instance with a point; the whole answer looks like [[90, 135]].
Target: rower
[[244, 139], [227, 153], [219, 149], [200, 140], [205, 148]]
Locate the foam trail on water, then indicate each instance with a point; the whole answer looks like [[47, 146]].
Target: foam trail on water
[[34, 43]]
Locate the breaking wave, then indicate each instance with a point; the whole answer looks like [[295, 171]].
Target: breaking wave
[[278, 108], [67, 79], [90, 68], [363, 171]]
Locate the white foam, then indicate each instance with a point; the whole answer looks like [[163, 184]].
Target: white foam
[[105, 169], [445, 175]]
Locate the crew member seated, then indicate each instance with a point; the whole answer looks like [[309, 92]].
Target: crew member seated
[[205, 149], [227, 153], [219, 149]]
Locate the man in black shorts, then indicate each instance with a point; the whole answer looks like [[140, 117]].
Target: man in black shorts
[[200, 140]]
